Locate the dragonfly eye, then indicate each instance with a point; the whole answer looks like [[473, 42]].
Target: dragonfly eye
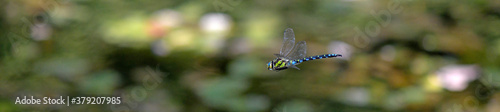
[[269, 66]]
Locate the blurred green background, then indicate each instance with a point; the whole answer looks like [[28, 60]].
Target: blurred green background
[[211, 55]]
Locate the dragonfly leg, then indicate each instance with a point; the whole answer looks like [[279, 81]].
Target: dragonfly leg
[[293, 66]]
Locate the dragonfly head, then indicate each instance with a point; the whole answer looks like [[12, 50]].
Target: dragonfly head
[[270, 65]]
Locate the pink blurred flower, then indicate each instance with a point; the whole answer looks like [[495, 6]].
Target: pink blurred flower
[[41, 31], [457, 77]]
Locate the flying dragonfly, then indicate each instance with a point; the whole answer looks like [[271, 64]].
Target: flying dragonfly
[[292, 54]]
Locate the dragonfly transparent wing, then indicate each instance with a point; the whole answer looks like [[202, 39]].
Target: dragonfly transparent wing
[[299, 51], [288, 42]]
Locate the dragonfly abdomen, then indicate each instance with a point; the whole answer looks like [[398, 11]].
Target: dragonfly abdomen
[[297, 61]]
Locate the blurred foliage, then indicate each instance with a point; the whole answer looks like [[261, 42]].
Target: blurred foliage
[[211, 55]]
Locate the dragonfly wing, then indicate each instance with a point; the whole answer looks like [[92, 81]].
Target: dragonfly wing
[[279, 55], [299, 51], [288, 42]]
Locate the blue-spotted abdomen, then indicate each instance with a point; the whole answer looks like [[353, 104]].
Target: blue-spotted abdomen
[[314, 58]]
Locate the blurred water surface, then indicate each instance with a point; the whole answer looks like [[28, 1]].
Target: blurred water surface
[[204, 56]]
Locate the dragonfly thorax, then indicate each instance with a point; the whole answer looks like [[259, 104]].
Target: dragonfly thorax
[[278, 64]]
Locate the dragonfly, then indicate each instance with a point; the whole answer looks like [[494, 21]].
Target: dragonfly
[[292, 54]]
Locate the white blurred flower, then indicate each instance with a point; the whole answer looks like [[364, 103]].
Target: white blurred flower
[[339, 47], [168, 18], [215, 22], [41, 31], [457, 77], [215, 27], [162, 21]]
